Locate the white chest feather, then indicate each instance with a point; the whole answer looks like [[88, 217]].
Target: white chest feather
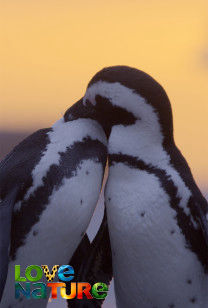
[[61, 227], [152, 267]]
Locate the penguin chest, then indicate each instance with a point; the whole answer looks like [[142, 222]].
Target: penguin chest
[[152, 266], [60, 228], [65, 217], [137, 204]]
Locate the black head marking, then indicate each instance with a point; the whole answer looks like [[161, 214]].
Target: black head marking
[[109, 115], [104, 113], [144, 85]]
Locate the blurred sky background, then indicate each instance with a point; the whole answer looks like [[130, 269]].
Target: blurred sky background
[[51, 48]]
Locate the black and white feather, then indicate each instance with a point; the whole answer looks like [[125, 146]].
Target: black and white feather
[[49, 187], [156, 213]]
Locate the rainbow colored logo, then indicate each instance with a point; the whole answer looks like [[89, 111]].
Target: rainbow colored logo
[[30, 285]]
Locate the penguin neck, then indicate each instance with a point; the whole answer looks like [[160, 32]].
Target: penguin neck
[[143, 142]]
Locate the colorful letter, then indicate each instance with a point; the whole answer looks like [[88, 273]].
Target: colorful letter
[[54, 286], [99, 287], [65, 270], [39, 292], [50, 276], [86, 291], [73, 291], [17, 274], [19, 289], [38, 269]]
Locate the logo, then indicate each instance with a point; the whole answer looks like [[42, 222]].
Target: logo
[[30, 286]]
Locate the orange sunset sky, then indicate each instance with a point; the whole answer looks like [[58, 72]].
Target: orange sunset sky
[[51, 48]]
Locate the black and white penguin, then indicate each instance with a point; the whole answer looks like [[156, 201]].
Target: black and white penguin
[[156, 213], [49, 187]]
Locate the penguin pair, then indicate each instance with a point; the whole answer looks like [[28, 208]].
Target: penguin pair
[[156, 213]]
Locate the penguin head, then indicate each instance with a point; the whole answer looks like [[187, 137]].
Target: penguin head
[[127, 98]]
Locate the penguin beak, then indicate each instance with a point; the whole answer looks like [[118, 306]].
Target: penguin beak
[[79, 111]]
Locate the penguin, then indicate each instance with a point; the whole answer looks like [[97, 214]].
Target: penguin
[[49, 187], [157, 216]]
